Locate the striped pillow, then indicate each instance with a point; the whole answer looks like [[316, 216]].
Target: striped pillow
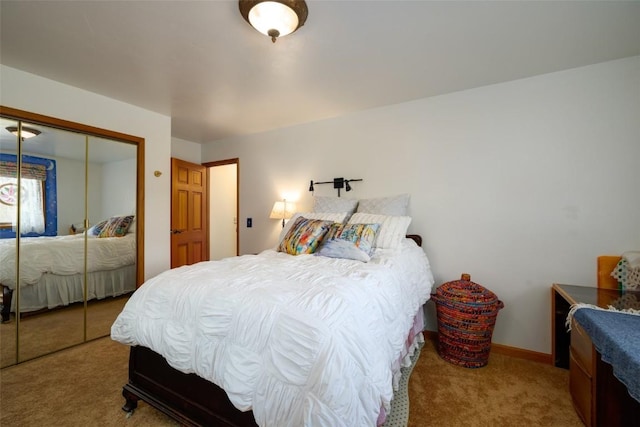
[[392, 228]]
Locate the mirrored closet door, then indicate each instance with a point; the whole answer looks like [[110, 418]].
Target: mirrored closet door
[[8, 246], [70, 198], [111, 259], [50, 267]]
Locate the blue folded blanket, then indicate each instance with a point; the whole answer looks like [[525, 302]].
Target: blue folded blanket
[[616, 336]]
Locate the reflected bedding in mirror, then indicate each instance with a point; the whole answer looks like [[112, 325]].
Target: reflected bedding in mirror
[[51, 272]]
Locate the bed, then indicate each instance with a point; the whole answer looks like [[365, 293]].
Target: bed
[[277, 340], [52, 270]]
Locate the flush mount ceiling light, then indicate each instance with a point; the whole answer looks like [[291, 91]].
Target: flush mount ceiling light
[[26, 132], [274, 18]]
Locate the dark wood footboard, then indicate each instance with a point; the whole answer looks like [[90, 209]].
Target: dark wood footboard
[[187, 398], [7, 296], [416, 238]]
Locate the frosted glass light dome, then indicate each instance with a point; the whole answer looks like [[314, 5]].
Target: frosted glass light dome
[[269, 15], [274, 18]]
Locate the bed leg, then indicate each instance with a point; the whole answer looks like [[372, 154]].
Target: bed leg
[[7, 295], [131, 402]]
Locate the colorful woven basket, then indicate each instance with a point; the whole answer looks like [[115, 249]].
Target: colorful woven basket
[[467, 314]]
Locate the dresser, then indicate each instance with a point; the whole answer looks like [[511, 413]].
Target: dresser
[[582, 385], [600, 399], [562, 298]]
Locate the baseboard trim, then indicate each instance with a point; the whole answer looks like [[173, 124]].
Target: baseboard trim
[[520, 353]]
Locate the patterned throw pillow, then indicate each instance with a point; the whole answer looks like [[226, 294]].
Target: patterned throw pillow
[[325, 216], [116, 226], [96, 229], [392, 228], [363, 236], [304, 236], [350, 241]]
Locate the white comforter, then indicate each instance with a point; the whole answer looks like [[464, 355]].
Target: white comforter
[[302, 340], [63, 255]]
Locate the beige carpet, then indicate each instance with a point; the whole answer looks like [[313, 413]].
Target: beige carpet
[[82, 386], [79, 386], [507, 392], [52, 330]]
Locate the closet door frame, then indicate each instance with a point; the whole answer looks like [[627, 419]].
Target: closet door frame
[[88, 132], [13, 113]]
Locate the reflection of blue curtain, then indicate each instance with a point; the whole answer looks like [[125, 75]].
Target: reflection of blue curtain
[[50, 196]]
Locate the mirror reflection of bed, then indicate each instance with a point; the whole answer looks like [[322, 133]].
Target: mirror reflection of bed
[[95, 179]]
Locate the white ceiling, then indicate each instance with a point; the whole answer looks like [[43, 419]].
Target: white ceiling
[[202, 64]]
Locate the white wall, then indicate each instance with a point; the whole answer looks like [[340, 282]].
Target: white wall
[[520, 184], [71, 191], [110, 190], [32, 93], [186, 150], [118, 190]]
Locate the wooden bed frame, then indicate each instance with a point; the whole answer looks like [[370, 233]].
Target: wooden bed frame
[[7, 296], [187, 398]]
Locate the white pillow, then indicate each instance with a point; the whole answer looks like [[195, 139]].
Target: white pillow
[[337, 248], [325, 216], [394, 205], [334, 204], [392, 228]]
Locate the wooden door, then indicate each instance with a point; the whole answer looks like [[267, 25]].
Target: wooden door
[[188, 213]]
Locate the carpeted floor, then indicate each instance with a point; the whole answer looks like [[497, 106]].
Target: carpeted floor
[[53, 330], [82, 386], [507, 392]]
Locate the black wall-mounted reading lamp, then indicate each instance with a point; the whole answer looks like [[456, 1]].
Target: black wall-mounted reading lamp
[[338, 183]]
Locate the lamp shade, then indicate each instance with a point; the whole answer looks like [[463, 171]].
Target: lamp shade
[[275, 18], [282, 210]]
